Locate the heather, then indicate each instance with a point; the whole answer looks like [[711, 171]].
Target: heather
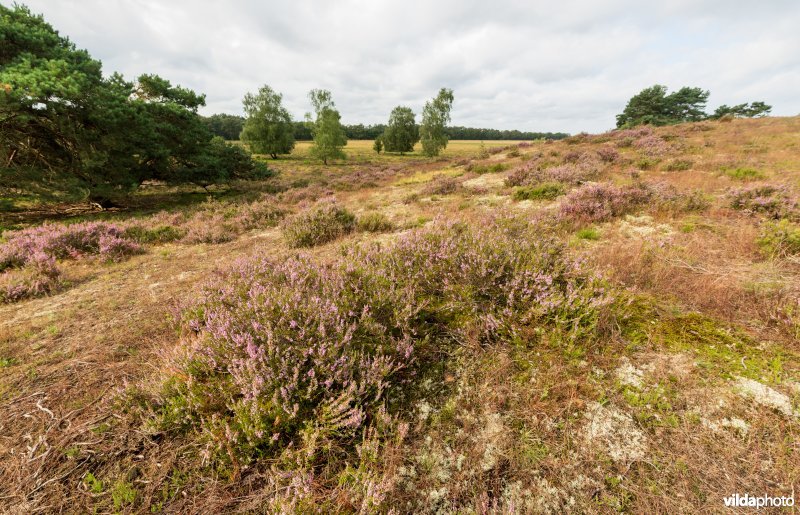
[[585, 168], [374, 222], [39, 276], [600, 202], [652, 146], [66, 242], [285, 353], [317, 225], [442, 185], [773, 201]]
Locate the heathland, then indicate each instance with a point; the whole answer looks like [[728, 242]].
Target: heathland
[[604, 323]]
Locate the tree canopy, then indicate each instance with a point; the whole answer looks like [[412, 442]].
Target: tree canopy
[[67, 130], [435, 117], [653, 106], [326, 127], [745, 110], [401, 132], [226, 126], [268, 128]]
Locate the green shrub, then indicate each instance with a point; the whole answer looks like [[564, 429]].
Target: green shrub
[[647, 163], [544, 191], [781, 238], [744, 174], [374, 222], [320, 225], [678, 165], [493, 168], [588, 233]]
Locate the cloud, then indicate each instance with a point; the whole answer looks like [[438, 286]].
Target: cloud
[[561, 66]]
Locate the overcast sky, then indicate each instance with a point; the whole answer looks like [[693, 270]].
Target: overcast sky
[[555, 65]]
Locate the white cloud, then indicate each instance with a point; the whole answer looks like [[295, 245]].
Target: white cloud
[[568, 65]]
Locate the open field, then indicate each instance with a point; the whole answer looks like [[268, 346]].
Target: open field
[[604, 324]]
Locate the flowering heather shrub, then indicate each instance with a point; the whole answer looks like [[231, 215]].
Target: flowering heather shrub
[[608, 154], [205, 227], [529, 174], [494, 150], [601, 202], [258, 214], [666, 197], [39, 276], [775, 202], [524, 144], [319, 225], [281, 352], [652, 146], [641, 131], [66, 241], [442, 185]]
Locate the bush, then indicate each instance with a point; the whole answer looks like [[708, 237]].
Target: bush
[[66, 242], [39, 276], [774, 202], [482, 169], [678, 165], [608, 154], [781, 238], [647, 163], [744, 174], [157, 234], [544, 191], [209, 227], [291, 354], [258, 215], [374, 222], [322, 224], [442, 185], [588, 233], [530, 174], [602, 202], [652, 146]]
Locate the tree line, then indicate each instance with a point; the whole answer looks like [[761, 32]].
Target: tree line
[[654, 106], [229, 127]]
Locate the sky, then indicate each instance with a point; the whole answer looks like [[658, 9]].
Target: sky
[[564, 65]]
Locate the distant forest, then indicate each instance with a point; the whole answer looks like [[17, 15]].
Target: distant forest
[[229, 126]]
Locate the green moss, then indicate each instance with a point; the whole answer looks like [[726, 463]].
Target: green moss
[[719, 350], [93, 484], [122, 494]]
